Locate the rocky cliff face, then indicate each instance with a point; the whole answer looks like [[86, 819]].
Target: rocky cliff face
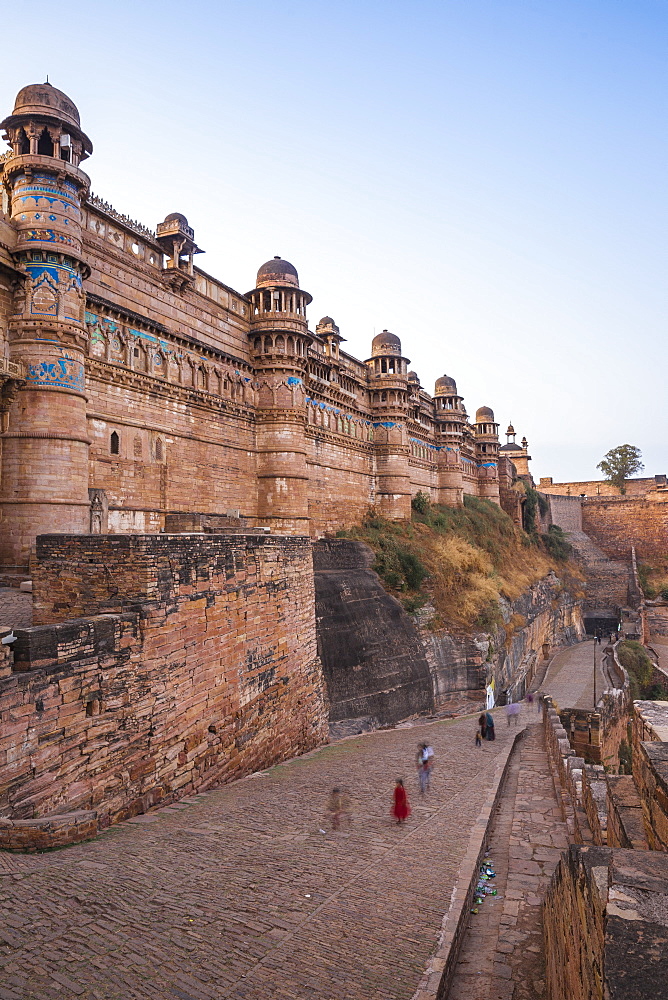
[[382, 664], [464, 665], [373, 658]]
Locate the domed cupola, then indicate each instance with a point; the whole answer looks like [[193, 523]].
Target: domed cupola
[[486, 433], [278, 312], [45, 122], [46, 185], [389, 372], [385, 343], [445, 386], [277, 272], [177, 239], [449, 411], [329, 333]]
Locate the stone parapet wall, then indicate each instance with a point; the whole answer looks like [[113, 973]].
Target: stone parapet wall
[[595, 801], [598, 487], [203, 667], [596, 736], [48, 833], [649, 722], [625, 813], [650, 773], [606, 925]]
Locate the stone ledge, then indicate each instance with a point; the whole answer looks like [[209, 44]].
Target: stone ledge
[[47, 832], [437, 978]]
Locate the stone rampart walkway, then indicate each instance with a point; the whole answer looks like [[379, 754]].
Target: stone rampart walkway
[[503, 956], [237, 893]]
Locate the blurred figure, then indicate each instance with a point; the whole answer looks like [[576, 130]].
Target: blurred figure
[[478, 741], [338, 806], [513, 712], [401, 810], [482, 722], [489, 726], [425, 762]]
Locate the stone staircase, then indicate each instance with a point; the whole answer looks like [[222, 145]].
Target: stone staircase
[[607, 579]]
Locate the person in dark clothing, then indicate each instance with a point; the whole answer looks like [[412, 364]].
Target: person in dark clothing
[[489, 719]]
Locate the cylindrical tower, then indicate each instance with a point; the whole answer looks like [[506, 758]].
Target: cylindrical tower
[[450, 418], [45, 450], [389, 400], [487, 453], [280, 342]]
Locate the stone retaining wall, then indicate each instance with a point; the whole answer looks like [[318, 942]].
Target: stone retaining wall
[[203, 668]]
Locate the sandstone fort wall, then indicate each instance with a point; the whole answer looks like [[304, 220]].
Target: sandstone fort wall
[[617, 524], [141, 378]]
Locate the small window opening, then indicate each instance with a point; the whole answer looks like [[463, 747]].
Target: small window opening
[[136, 352], [25, 144], [45, 144], [114, 443], [158, 450]]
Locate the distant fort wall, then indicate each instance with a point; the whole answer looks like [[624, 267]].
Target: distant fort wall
[[615, 522]]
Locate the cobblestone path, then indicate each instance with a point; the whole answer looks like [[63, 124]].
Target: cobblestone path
[[15, 608], [503, 957], [570, 676], [236, 893]]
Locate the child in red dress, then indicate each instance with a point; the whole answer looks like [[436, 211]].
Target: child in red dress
[[400, 809]]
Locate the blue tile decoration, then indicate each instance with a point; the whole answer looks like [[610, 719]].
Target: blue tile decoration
[[63, 372]]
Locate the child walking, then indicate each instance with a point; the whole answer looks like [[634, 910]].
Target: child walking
[[400, 808]]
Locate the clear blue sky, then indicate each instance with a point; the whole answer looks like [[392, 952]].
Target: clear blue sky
[[485, 178]]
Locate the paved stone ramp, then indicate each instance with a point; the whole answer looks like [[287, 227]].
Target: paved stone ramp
[[570, 676], [237, 894], [15, 608], [503, 957]]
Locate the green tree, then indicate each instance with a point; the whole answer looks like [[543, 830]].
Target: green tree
[[620, 464]]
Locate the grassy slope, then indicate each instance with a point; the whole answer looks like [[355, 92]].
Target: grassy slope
[[654, 576], [462, 559]]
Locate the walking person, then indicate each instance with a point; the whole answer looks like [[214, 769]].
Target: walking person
[[422, 762], [489, 728], [401, 810], [482, 722], [335, 808]]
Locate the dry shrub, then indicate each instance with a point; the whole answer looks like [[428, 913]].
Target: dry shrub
[[465, 559]]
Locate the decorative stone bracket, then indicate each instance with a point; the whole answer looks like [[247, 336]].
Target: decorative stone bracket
[[12, 378]]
